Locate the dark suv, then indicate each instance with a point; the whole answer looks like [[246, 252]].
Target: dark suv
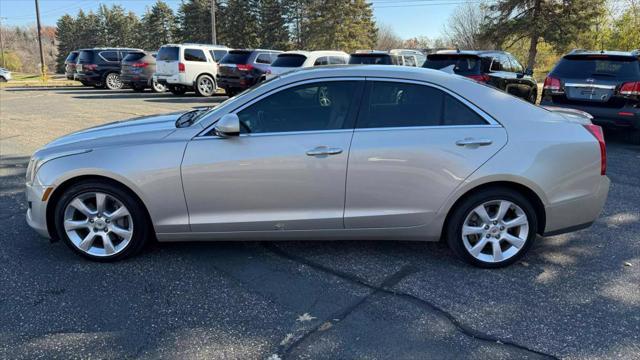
[[606, 84], [70, 64], [137, 71], [100, 67], [496, 68], [241, 69]]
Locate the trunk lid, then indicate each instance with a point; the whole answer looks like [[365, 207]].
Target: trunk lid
[[167, 60], [229, 64]]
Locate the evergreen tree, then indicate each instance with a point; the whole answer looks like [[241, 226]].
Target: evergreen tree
[[117, 27], [242, 28], [67, 39], [558, 23], [158, 26], [272, 27], [89, 30], [297, 13], [194, 18], [340, 25]]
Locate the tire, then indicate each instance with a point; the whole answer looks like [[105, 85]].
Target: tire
[[205, 86], [157, 87], [230, 92], [127, 234], [533, 97], [2, 79], [112, 81], [512, 242], [177, 89]]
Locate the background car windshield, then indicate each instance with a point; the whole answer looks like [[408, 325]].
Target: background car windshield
[[134, 56], [289, 60], [236, 57], [595, 66], [85, 56], [168, 53], [72, 57], [462, 64], [370, 59]]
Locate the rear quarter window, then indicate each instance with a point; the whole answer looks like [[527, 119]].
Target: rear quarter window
[[194, 55], [263, 58], [86, 57], [135, 56]]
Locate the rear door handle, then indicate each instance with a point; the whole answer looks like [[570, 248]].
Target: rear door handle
[[474, 142], [324, 150]]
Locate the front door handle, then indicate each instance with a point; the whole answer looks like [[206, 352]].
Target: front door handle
[[474, 142], [324, 150]]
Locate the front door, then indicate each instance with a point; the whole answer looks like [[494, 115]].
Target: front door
[[286, 170]]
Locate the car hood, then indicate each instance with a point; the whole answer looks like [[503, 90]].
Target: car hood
[[138, 130]]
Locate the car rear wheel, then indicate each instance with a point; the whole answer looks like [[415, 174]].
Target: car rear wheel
[[177, 89], [113, 82], [533, 97], [2, 79], [101, 221], [492, 228], [157, 87], [205, 85]]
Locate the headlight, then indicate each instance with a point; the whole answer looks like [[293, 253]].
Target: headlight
[[35, 163]]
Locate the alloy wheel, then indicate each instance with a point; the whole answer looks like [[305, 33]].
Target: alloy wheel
[[495, 231], [157, 87], [98, 224], [113, 81], [206, 86]]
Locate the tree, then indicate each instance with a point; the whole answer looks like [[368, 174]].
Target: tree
[[158, 26], [297, 16], [464, 27], [67, 39], [272, 27], [194, 19], [557, 22], [118, 28], [388, 39], [243, 31], [339, 24]]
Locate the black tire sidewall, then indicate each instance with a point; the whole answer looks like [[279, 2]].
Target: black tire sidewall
[[141, 226], [459, 214], [177, 90]]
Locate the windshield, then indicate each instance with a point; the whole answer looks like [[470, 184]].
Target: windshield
[[598, 66], [289, 60], [370, 59], [85, 56], [236, 57], [168, 53], [72, 57], [469, 64]]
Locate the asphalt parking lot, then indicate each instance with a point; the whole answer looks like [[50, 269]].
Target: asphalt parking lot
[[573, 296]]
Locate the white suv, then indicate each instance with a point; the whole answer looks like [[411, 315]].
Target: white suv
[[292, 60], [187, 67]]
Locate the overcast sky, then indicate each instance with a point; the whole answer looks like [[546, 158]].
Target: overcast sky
[[409, 18]]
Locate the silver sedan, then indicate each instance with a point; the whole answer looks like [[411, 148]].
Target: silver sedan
[[363, 152]]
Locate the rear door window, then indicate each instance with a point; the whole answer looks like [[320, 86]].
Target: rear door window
[[289, 60], [582, 66], [263, 58], [72, 57], [194, 55], [396, 104], [169, 53], [110, 55], [370, 59]]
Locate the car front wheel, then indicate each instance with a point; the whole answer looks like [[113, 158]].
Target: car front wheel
[[113, 82], [492, 228], [101, 221]]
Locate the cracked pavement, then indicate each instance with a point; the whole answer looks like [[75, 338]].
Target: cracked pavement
[[571, 297]]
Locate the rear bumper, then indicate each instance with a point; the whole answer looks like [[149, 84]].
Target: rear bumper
[[130, 79], [89, 78], [627, 116], [576, 213], [177, 79], [227, 82]]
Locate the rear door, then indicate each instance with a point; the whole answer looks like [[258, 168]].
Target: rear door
[[197, 62], [167, 60], [413, 145]]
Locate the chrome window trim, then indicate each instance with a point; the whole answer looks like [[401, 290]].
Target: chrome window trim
[[488, 118], [437, 127], [282, 88], [593, 86], [282, 133]]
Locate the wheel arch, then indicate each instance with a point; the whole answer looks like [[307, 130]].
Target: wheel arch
[[524, 190], [213, 77], [67, 183]]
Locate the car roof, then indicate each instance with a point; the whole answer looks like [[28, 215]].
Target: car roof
[[222, 47], [109, 49], [470, 52], [258, 50], [316, 53], [634, 53]]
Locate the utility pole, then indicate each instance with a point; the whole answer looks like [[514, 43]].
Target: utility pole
[[214, 39], [43, 72], [1, 43]]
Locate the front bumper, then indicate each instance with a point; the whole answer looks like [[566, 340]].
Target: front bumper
[[37, 209], [577, 213]]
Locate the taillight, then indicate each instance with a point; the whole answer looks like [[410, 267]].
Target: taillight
[[89, 67], [553, 84], [243, 67], [479, 78], [596, 131], [630, 88], [140, 64], [181, 67]]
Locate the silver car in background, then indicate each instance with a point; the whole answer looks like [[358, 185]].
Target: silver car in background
[[351, 152]]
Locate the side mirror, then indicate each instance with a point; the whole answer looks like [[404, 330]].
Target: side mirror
[[228, 125], [528, 72]]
